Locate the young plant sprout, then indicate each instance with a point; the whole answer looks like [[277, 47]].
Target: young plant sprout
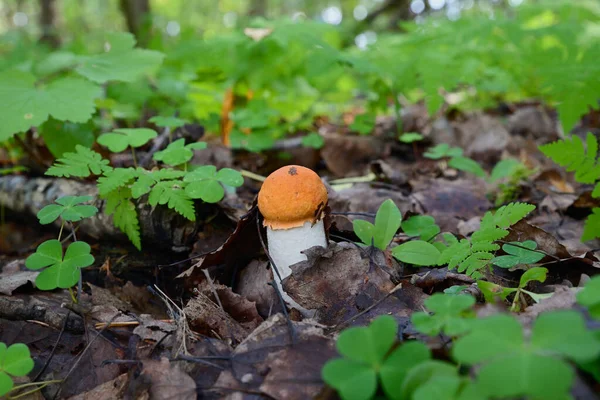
[[292, 201]]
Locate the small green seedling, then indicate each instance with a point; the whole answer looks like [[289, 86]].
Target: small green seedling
[[363, 124], [451, 315], [491, 291], [497, 344], [590, 296], [518, 253], [69, 208], [380, 234], [466, 164], [120, 139], [206, 183], [178, 152], [15, 360]]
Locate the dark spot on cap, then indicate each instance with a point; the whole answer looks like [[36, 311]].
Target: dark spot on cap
[[292, 171]]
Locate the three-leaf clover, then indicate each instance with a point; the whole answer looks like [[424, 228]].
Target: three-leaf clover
[[449, 315], [205, 182], [59, 272], [15, 360], [380, 234], [365, 357], [534, 368], [69, 208], [178, 152], [590, 296], [119, 139], [518, 253]]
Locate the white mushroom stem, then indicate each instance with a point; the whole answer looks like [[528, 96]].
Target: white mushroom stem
[[285, 247]]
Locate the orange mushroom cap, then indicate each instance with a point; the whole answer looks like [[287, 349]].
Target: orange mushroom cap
[[292, 196]]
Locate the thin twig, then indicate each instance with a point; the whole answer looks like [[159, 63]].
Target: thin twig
[[62, 330]]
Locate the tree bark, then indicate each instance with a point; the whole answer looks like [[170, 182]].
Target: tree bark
[[48, 23], [136, 13]]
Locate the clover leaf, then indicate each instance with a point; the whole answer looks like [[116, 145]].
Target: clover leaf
[[171, 122], [410, 137], [449, 315], [423, 226], [15, 360], [119, 139], [498, 344], [590, 296], [205, 182], [380, 234], [59, 272], [178, 152], [69, 208], [518, 253], [363, 348], [443, 150]]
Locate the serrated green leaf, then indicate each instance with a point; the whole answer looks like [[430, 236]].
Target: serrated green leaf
[[22, 105], [121, 62], [512, 213], [118, 177], [172, 194], [83, 163], [591, 228], [125, 217]]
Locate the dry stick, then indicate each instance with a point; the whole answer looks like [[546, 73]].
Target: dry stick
[[62, 330], [366, 310], [79, 359], [212, 288], [274, 284]]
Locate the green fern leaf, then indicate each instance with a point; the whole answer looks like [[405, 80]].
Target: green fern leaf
[[83, 163], [118, 177], [571, 154], [475, 262], [172, 194], [455, 253], [484, 246], [591, 229], [147, 179], [120, 206], [488, 235], [512, 213]]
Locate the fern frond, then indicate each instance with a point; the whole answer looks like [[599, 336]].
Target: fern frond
[[118, 177], [591, 229], [120, 206], [488, 235], [172, 194], [455, 253], [484, 246], [571, 154], [475, 262], [83, 163], [512, 213]]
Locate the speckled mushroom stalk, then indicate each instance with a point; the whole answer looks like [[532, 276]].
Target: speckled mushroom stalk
[[292, 201]]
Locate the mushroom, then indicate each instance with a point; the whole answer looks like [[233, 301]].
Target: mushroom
[[292, 201]]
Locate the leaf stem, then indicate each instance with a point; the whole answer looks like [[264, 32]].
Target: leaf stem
[[41, 385], [62, 225], [133, 156], [73, 297]]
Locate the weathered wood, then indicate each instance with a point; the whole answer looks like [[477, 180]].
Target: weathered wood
[[160, 226]]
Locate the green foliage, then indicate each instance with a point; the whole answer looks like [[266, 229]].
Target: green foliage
[[367, 359], [15, 360], [178, 152], [410, 137], [518, 253], [468, 165], [62, 137], [590, 296], [470, 256], [23, 105], [69, 208], [450, 315], [571, 154], [171, 122], [119, 139], [417, 252], [380, 234], [313, 140], [443, 150], [363, 124], [423, 226], [206, 183], [60, 272], [120, 61], [497, 344], [125, 217], [491, 290], [83, 163]]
